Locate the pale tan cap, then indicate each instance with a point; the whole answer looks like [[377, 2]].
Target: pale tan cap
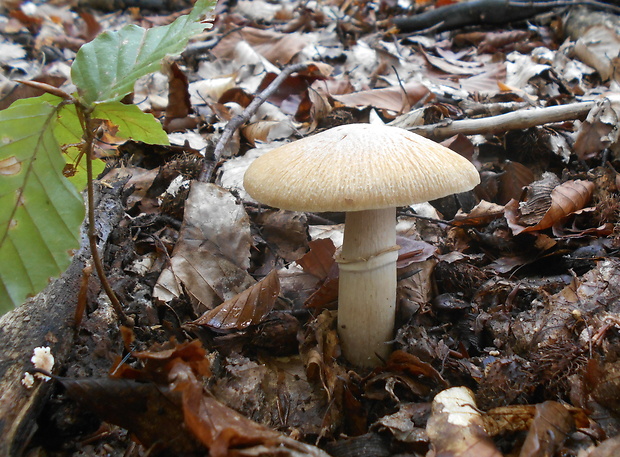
[[358, 167]]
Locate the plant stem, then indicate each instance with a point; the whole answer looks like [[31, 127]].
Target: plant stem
[[89, 140]]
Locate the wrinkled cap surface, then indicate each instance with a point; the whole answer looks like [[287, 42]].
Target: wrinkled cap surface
[[358, 167]]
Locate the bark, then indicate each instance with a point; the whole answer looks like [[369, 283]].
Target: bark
[[521, 119], [44, 320], [485, 12]]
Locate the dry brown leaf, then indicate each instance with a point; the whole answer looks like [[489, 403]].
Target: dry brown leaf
[[319, 351], [407, 424], [234, 95], [152, 413], [518, 418], [403, 374], [551, 425], [318, 99], [226, 433], [285, 232], [413, 251], [514, 178], [403, 362], [245, 309], [319, 260], [483, 213], [258, 131], [395, 98], [326, 295], [598, 131], [548, 205], [179, 104]]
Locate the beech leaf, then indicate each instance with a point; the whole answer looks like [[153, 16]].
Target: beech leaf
[[106, 68], [319, 259], [566, 198], [244, 309], [40, 210], [132, 122], [225, 432]]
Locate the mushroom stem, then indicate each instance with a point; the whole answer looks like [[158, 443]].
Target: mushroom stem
[[367, 286]]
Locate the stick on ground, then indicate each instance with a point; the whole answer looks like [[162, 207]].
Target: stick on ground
[[521, 119], [240, 119]]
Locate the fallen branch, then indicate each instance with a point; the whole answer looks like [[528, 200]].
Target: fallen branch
[[510, 121], [45, 320], [240, 119], [478, 12]]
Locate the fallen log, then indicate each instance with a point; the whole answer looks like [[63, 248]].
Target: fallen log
[[485, 12], [44, 320]]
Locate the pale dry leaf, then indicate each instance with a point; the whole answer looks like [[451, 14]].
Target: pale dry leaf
[[521, 68], [278, 48], [258, 131], [450, 63], [211, 89], [598, 131], [456, 427], [407, 424], [212, 255], [487, 82], [597, 47], [266, 131], [394, 98]]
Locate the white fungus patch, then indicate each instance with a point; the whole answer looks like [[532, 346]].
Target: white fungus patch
[[43, 360]]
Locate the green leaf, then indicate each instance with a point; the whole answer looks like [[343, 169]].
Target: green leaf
[[68, 131], [132, 122], [106, 68], [40, 210]]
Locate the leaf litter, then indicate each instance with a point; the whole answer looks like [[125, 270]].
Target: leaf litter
[[507, 335]]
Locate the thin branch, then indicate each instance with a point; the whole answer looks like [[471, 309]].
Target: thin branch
[[240, 119], [522, 119]]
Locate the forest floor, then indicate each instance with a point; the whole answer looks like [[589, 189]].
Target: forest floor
[[510, 290]]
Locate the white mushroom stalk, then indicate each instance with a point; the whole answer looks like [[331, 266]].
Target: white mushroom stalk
[[367, 285], [367, 171]]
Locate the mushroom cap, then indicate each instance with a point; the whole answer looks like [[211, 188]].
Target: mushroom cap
[[358, 167]]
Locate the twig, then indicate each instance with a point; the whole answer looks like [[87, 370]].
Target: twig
[[477, 109], [240, 119], [510, 121], [411, 213]]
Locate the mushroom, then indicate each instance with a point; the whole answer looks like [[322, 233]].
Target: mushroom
[[367, 171]]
